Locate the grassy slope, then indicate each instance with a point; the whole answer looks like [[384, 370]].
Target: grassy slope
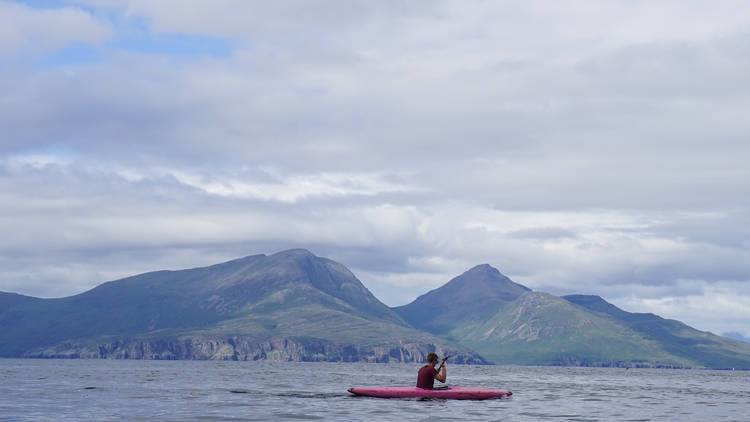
[[466, 300], [10, 300], [700, 347], [124, 307], [291, 294], [539, 328], [305, 324]]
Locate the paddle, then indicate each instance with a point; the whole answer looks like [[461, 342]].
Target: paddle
[[443, 362]]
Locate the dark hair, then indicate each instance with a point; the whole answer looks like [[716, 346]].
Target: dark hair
[[432, 357]]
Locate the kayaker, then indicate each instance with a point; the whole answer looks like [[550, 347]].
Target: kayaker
[[428, 374]]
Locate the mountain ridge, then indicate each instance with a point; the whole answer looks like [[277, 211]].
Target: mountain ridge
[[465, 299], [542, 329], [293, 305], [734, 335], [527, 327], [239, 309], [703, 348]]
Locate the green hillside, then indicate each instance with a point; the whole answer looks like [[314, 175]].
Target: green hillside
[[292, 304], [542, 329], [701, 348], [10, 300], [465, 301], [296, 306], [507, 323]]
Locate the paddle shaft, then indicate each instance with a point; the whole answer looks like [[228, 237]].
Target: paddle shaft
[[443, 362]]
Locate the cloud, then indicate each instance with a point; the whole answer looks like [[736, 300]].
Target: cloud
[[579, 148], [292, 188], [27, 32], [542, 233], [715, 308]]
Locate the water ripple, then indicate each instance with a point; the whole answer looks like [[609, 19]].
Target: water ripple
[[72, 390]]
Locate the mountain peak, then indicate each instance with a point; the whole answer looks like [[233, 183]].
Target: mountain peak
[[296, 252], [288, 253], [483, 269], [291, 305], [482, 281], [301, 276], [473, 295]]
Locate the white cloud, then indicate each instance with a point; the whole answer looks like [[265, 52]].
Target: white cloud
[[27, 32], [579, 147], [559, 23], [294, 187], [718, 308]]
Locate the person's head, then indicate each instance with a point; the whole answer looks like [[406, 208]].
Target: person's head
[[432, 358]]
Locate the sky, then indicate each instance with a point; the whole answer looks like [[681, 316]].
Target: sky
[[577, 146]]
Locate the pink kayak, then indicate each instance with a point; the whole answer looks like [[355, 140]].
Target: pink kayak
[[459, 393]]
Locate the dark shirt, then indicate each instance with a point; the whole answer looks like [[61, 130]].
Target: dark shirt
[[426, 377]]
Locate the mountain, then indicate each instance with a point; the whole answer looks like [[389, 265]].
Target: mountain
[[287, 306], [701, 348], [296, 306], [9, 300], [465, 301], [736, 336], [508, 323], [542, 329]]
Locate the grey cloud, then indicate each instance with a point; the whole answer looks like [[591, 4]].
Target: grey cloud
[[543, 233], [730, 230], [27, 33], [621, 108]]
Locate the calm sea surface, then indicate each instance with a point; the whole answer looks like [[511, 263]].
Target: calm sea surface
[[103, 390]]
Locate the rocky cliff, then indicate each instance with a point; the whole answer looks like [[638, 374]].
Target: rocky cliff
[[247, 348]]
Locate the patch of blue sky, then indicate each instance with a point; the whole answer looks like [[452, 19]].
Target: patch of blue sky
[[139, 42], [41, 156], [171, 44], [44, 4], [55, 4], [76, 53], [132, 34]]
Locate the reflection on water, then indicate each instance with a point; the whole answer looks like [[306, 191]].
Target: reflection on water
[[54, 390]]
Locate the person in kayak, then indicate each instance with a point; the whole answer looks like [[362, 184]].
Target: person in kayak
[[428, 374]]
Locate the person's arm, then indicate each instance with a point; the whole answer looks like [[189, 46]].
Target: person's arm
[[441, 376]]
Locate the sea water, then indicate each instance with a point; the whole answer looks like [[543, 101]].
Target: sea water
[[107, 390]]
